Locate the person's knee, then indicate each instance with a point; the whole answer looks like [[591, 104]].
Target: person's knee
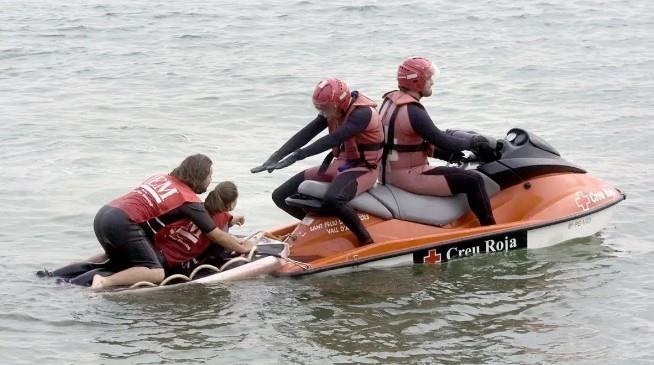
[[278, 197], [477, 180], [156, 275], [332, 200], [465, 183], [287, 189]]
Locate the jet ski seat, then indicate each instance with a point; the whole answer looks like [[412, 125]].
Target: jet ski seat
[[388, 201]]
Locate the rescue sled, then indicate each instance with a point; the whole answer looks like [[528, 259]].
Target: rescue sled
[[538, 200], [266, 257]]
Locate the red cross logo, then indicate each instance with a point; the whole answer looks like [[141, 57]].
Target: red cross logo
[[582, 200], [432, 257]]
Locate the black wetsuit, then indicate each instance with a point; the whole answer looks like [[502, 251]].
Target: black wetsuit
[[129, 244], [356, 123], [458, 180], [344, 186]]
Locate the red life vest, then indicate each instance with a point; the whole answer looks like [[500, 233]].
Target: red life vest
[[365, 147], [404, 147], [156, 196], [182, 240]]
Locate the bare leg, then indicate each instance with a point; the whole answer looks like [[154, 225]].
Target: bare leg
[[128, 277], [98, 259]]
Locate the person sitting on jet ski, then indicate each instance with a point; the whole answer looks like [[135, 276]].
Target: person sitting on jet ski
[[182, 246], [121, 225], [411, 137], [355, 139]]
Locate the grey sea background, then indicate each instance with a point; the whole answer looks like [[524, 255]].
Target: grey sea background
[[95, 96]]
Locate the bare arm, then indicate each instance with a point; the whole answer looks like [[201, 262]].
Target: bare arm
[[228, 241]]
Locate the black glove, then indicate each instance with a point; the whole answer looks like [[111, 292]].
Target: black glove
[[268, 165], [483, 148], [289, 160], [450, 156], [456, 157], [479, 143]]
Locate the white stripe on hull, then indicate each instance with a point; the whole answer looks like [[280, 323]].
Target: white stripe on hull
[[565, 231]]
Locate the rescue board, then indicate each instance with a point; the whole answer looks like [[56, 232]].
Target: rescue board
[[266, 257]]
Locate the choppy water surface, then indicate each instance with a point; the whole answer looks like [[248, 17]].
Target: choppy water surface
[[94, 96]]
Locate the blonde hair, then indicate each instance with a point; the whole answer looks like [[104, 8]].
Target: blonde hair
[[224, 194]]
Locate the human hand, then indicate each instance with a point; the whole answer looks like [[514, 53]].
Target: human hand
[[479, 143], [247, 245], [484, 148], [288, 161], [456, 157], [238, 220], [268, 165], [264, 166]]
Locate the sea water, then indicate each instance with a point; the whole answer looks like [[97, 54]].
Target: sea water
[[97, 95]]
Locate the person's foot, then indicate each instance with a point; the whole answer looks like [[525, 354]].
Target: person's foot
[[98, 282], [366, 241], [44, 273], [486, 220]]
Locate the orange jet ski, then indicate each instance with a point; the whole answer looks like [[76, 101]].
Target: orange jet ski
[[538, 199]]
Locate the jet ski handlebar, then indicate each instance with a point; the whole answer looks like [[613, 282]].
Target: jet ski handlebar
[[483, 148], [471, 136]]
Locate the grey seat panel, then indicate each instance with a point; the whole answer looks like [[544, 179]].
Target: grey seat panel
[[367, 203], [388, 201], [364, 202], [432, 210]]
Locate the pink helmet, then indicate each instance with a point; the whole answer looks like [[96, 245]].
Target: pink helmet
[[332, 93], [414, 72]]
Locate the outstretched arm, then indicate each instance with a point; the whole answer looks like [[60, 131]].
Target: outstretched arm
[[356, 123], [228, 241], [201, 218], [302, 137]]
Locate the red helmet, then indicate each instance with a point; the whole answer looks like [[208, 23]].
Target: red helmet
[[332, 93], [414, 72]]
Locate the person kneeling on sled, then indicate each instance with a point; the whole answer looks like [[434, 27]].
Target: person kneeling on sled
[[125, 226]]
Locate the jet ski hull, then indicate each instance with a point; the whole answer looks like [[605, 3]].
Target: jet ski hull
[[538, 213]]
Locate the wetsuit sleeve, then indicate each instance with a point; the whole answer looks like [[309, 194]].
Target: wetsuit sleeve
[[198, 215], [303, 136], [424, 126], [355, 124]]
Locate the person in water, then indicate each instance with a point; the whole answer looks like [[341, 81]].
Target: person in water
[[182, 246], [412, 137], [125, 226], [355, 139]]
